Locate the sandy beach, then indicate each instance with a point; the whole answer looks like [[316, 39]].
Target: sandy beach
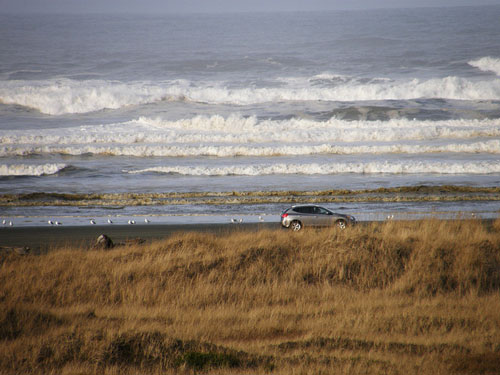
[[44, 238]]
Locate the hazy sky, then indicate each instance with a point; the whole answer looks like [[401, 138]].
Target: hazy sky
[[215, 6]]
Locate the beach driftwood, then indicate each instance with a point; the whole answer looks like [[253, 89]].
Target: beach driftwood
[[103, 242]]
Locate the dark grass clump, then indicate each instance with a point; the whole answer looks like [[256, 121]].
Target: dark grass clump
[[476, 364], [16, 321]]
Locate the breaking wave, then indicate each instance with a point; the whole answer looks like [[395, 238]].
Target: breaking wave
[[65, 96], [30, 170], [247, 136], [386, 167], [487, 64], [492, 147]]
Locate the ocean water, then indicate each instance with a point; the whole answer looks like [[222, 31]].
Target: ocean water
[[248, 102]]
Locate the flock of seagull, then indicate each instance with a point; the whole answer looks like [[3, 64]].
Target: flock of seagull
[[93, 222], [56, 222], [130, 222], [240, 221]]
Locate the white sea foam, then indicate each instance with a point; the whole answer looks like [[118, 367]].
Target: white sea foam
[[61, 96], [176, 150], [487, 64], [386, 167], [30, 169], [239, 135]]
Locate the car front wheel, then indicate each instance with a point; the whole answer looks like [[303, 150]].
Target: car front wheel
[[296, 225]]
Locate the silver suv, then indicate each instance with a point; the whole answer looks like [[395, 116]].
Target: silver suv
[[297, 217]]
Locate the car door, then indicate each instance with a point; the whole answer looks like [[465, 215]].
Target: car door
[[322, 217], [307, 215]]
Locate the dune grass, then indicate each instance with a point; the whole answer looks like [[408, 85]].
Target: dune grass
[[419, 297]]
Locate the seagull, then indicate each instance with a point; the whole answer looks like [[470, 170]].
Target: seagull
[[109, 221], [233, 220], [4, 222], [131, 222], [58, 223], [146, 221], [241, 221], [50, 222], [92, 221], [11, 223]]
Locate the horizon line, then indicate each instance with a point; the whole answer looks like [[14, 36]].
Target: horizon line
[[229, 12]]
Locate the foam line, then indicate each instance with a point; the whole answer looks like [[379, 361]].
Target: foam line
[[386, 167], [30, 170], [159, 150], [246, 136]]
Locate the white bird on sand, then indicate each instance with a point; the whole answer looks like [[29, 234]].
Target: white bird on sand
[[50, 222], [146, 221], [92, 221], [109, 221]]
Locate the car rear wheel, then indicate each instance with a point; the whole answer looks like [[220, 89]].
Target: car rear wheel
[[295, 225], [341, 224]]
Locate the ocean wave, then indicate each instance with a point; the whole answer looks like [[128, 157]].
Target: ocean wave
[[384, 167], [487, 64], [155, 136], [63, 96], [30, 169], [158, 150]]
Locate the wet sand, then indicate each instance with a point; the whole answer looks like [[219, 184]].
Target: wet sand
[[45, 238]]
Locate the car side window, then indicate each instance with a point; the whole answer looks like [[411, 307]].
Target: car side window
[[304, 210]]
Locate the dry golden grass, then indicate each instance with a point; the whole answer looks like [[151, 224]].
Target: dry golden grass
[[388, 298]]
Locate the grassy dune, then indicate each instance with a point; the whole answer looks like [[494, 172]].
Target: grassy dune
[[392, 298]]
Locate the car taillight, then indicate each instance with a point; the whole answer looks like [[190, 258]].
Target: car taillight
[[284, 215]]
